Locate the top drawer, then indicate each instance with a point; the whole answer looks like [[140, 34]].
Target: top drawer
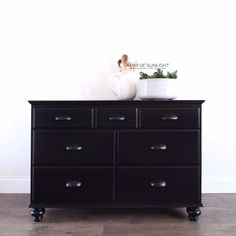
[[170, 118], [116, 118], [62, 117]]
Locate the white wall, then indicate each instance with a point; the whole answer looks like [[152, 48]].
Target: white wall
[[50, 49]]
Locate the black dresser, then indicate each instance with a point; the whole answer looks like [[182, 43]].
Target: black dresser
[[116, 154]]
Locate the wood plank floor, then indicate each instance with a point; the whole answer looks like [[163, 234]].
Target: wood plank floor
[[218, 219]]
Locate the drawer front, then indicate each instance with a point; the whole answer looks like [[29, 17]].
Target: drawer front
[[170, 118], [72, 185], [73, 147], [116, 118], [159, 185], [62, 117], [159, 147]]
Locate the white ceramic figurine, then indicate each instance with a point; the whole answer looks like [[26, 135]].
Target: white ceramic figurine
[[122, 84]]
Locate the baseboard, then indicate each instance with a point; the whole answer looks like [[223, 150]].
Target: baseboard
[[219, 185], [15, 185], [209, 185]]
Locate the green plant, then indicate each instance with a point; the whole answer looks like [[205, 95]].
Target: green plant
[[144, 75], [172, 75], [158, 74]]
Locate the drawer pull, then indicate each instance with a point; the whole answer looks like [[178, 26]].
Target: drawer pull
[[159, 184], [62, 118], [116, 118], [73, 184], [158, 146], [74, 148], [169, 117]]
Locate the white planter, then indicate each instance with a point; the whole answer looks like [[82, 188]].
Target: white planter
[[163, 89]]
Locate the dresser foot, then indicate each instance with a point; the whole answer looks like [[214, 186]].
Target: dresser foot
[[37, 214], [193, 213]]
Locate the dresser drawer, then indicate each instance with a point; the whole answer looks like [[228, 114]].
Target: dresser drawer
[[72, 185], [73, 147], [159, 185], [170, 118], [62, 117], [116, 118], [158, 147]]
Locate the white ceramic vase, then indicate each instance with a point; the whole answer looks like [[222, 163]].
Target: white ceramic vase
[[159, 88], [123, 86]]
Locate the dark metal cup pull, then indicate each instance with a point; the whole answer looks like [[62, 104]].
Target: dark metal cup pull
[[158, 146], [116, 118], [74, 148], [158, 184], [170, 117], [62, 118], [73, 184]]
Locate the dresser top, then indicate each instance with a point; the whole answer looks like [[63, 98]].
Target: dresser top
[[114, 102]]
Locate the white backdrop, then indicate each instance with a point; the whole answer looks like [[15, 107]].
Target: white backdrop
[[53, 49]]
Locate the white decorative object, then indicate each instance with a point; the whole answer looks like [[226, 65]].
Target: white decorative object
[[123, 86], [157, 88]]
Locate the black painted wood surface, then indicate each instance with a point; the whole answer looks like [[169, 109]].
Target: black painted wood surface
[[116, 154]]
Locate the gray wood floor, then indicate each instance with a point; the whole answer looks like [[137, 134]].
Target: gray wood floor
[[218, 219]]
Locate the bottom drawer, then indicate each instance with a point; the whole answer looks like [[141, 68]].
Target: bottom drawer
[[168, 185], [72, 185]]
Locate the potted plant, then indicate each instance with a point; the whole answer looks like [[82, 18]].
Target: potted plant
[[158, 85]]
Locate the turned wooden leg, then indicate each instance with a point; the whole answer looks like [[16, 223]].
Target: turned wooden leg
[[193, 213], [37, 214]]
